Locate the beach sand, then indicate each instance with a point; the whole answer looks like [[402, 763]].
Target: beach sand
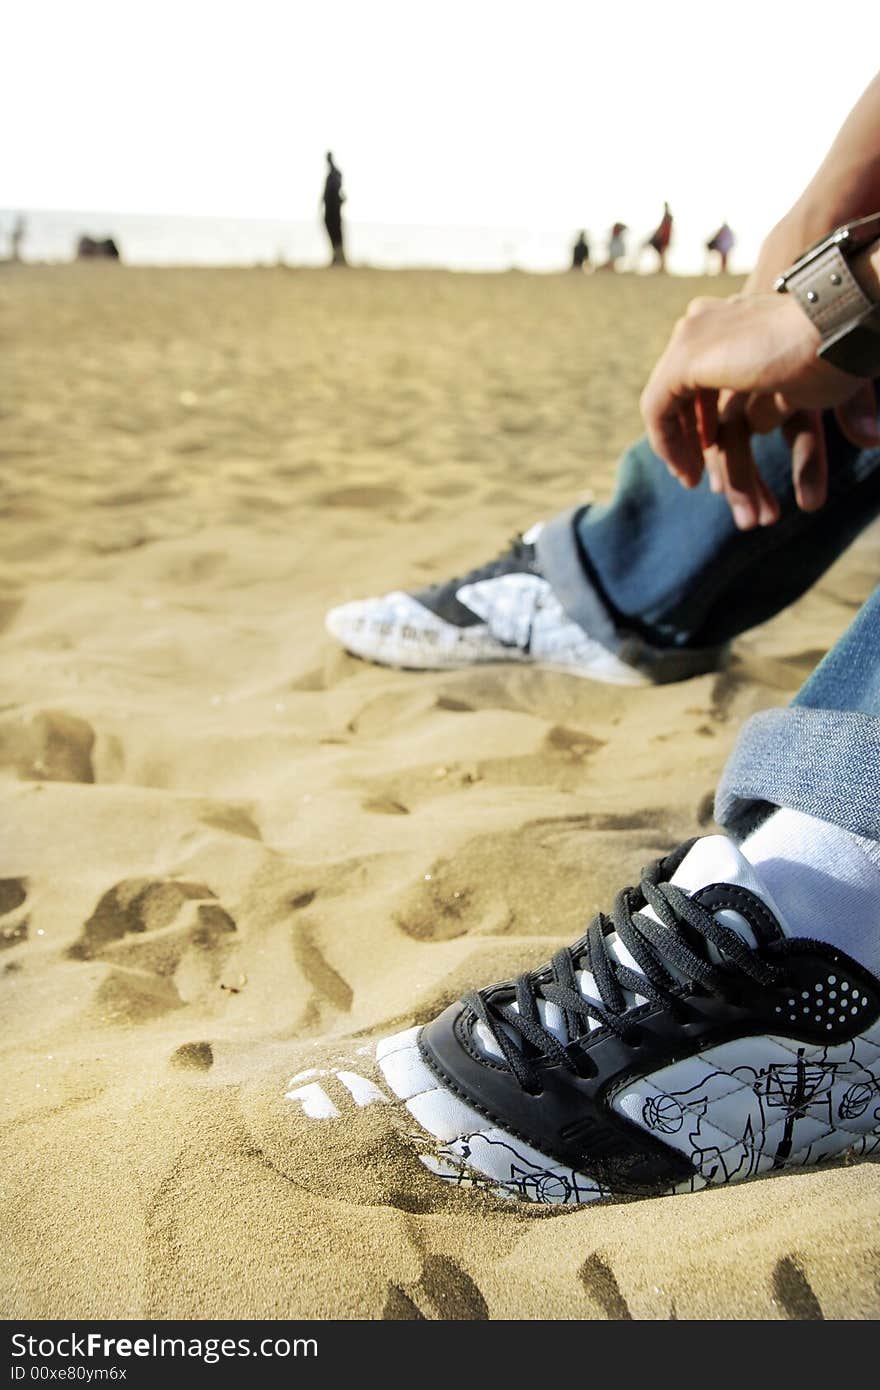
[[231, 851]]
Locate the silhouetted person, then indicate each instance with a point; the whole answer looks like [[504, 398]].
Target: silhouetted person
[[333, 200], [616, 246], [722, 244], [16, 237], [580, 252], [661, 237]]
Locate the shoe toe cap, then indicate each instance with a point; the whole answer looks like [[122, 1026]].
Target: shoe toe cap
[[328, 1119], [347, 619]]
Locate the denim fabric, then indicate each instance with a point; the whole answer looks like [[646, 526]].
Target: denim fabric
[[848, 678], [670, 572], [563, 564], [822, 754], [664, 579]]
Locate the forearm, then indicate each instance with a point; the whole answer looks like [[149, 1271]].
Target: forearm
[[847, 183], [845, 186]]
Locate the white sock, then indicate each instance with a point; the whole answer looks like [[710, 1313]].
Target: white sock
[[825, 880]]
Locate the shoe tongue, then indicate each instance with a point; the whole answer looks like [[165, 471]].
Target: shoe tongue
[[716, 859], [713, 859]]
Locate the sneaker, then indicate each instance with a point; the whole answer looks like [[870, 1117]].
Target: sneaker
[[692, 1039], [502, 611]]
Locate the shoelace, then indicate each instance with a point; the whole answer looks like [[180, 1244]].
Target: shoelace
[[517, 549], [651, 944]]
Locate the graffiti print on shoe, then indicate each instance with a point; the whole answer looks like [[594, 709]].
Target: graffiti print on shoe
[[691, 1039], [502, 611]]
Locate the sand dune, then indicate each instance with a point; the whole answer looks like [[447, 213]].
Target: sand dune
[[232, 852]]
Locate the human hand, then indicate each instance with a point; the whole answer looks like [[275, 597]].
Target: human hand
[[743, 366]]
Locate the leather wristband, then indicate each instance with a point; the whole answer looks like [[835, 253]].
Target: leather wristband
[[834, 301]]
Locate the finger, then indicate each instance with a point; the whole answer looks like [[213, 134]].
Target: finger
[[769, 510], [742, 484], [857, 417], [663, 423], [750, 498], [706, 406], [809, 460], [665, 437], [712, 405], [690, 435], [712, 460], [765, 413], [731, 406]]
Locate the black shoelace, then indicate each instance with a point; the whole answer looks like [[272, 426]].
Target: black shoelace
[[517, 550], [653, 945]]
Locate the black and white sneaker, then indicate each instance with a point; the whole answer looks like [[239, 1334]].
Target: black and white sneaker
[[692, 1039], [502, 611]]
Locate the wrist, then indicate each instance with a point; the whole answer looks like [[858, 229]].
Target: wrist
[[844, 196], [837, 285], [811, 218], [787, 240], [796, 328]]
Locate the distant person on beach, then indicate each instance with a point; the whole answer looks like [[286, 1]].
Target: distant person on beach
[[721, 242], [723, 1020], [661, 236], [16, 237], [333, 200], [616, 246], [580, 252]]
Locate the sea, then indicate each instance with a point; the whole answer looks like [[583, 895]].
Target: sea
[[146, 239]]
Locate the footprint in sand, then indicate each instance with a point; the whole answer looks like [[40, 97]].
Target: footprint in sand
[[384, 806], [793, 1292], [327, 983], [196, 567], [600, 1282], [231, 818], [724, 690], [167, 940], [556, 755], [13, 892], [373, 496], [444, 1292], [454, 705], [13, 895], [394, 709], [9, 607], [338, 665], [53, 746], [193, 1056], [399, 1308], [546, 878]]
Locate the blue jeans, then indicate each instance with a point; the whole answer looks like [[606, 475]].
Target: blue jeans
[[821, 754], [663, 578]]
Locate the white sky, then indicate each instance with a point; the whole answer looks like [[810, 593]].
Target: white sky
[[543, 114]]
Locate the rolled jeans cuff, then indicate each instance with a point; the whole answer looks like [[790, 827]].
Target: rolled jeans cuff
[[823, 762], [563, 566]]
